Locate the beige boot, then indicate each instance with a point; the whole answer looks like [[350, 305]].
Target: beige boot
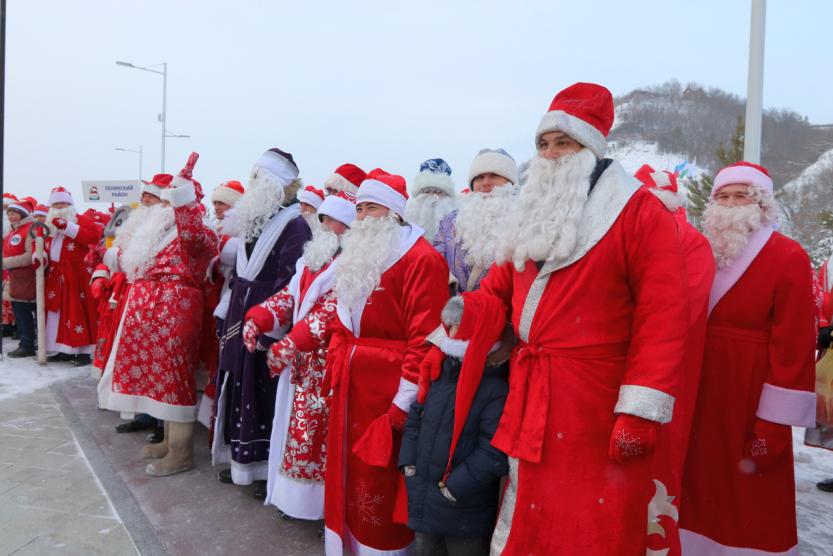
[[158, 450], [180, 456]]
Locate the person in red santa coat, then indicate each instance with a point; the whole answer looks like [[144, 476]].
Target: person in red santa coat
[[672, 442], [391, 285], [757, 380], [223, 199], [822, 435], [154, 356], [307, 305], [590, 269], [19, 289], [8, 312], [346, 179], [72, 315]]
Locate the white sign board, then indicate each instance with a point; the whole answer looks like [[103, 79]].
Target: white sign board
[[112, 191]]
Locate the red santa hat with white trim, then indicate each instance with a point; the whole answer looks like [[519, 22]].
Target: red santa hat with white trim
[[339, 206], [228, 192], [662, 184], [311, 196], [347, 178], [41, 210], [382, 188], [157, 184], [184, 188], [23, 206], [60, 195], [745, 173], [9, 198], [584, 111]]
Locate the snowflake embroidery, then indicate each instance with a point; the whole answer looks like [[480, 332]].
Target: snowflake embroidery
[[758, 447], [628, 444], [366, 504], [79, 329], [71, 246], [51, 294]]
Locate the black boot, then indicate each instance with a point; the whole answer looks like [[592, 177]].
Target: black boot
[[8, 330], [224, 476], [21, 352], [59, 358], [259, 491], [81, 360], [133, 426], [826, 485], [156, 436]]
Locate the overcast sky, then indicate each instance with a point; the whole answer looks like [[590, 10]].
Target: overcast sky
[[376, 83]]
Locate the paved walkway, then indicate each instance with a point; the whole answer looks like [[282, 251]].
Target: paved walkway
[[50, 499]]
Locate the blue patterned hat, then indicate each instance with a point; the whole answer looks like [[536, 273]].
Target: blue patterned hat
[[435, 165]]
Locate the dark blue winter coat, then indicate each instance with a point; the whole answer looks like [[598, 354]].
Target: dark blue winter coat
[[476, 468]]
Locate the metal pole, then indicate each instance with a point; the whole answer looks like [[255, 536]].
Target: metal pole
[[140, 162], [755, 85], [164, 108], [2, 121]]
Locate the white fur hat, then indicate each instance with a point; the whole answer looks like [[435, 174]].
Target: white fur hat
[[494, 161]]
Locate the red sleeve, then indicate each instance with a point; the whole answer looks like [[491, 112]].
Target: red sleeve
[[788, 396], [655, 274], [498, 282], [281, 306], [425, 290], [88, 231]]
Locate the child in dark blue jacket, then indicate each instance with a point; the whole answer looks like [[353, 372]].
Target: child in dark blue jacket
[[452, 472]]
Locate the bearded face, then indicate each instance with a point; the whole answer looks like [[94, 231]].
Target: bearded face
[[543, 224], [367, 250], [427, 209], [321, 249], [140, 236], [263, 198], [728, 229], [67, 213], [479, 221]]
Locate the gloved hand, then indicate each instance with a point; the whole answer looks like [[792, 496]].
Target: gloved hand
[[280, 356], [60, 223], [38, 262], [825, 337], [397, 417], [251, 332], [97, 287], [768, 443], [632, 438]]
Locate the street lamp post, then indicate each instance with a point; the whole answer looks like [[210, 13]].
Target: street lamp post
[[163, 117], [755, 85], [137, 150]]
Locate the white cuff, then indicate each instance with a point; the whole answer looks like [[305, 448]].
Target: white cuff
[[787, 407], [100, 273], [180, 196], [645, 402], [406, 395], [71, 230]]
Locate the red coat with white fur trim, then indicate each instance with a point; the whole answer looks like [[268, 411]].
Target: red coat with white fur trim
[[377, 367], [600, 336], [72, 322], [758, 364]]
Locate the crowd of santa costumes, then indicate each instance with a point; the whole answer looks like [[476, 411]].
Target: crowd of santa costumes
[[547, 362]]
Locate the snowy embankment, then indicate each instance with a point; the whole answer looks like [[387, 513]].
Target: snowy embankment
[[23, 376]]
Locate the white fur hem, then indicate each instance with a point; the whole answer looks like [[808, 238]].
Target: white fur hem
[[72, 229], [154, 408]]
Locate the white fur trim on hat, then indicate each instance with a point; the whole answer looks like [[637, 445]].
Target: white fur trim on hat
[[337, 182], [19, 208], [60, 197], [152, 189], [225, 195], [374, 191], [495, 163], [341, 209], [741, 174], [310, 198], [278, 167], [37, 212], [578, 129], [426, 179]]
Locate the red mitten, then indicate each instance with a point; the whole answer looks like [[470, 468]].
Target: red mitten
[[60, 223], [768, 443], [38, 262], [261, 316], [397, 417], [632, 438], [97, 287], [280, 356], [251, 332]]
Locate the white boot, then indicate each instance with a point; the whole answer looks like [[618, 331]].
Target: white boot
[[180, 456], [158, 450]]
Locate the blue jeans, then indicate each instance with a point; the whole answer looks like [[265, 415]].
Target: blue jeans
[[24, 318]]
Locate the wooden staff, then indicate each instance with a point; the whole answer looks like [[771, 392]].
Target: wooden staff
[[39, 229]]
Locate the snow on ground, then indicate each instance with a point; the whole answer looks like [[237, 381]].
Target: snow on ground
[[633, 154], [814, 507], [24, 376]]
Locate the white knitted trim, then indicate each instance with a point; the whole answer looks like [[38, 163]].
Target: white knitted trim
[[374, 191], [645, 402], [225, 195], [310, 198], [578, 129], [495, 163], [341, 209], [423, 180]]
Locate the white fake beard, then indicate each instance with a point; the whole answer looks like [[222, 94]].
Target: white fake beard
[[140, 236], [479, 221], [542, 224], [728, 230], [366, 250], [426, 210], [67, 213], [321, 249], [311, 218], [263, 198]]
